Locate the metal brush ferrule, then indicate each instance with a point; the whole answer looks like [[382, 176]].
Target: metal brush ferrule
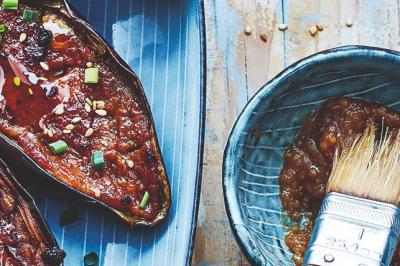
[[353, 231]]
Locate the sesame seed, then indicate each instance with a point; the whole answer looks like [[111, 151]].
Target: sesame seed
[[248, 30], [94, 105], [89, 132], [50, 133], [44, 65], [129, 163], [89, 64], [66, 131], [313, 30], [76, 119], [320, 27], [22, 37], [30, 91], [264, 36], [349, 22], [282, 26], [70, 127], [87, 108], [32, 78], [96, 192], [100, 104], [17, 81], [88, 101], [45, 131], [59, 111], [101, 112]]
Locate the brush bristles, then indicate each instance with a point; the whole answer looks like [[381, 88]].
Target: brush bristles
[[369, 168]]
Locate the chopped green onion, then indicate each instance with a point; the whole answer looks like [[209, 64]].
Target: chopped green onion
[[98, 159], [92, 75], [10, 4], [3, 28], [58, 147], [30, 15], [145, 200]]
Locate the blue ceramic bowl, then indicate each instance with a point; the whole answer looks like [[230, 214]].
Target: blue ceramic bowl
[[253, 160]]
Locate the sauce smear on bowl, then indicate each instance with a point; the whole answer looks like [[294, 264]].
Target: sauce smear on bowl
[[308, 159]]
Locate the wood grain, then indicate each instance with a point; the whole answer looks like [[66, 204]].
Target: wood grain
[[239, 64]]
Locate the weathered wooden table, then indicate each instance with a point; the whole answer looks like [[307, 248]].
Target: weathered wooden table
[[239, 64]]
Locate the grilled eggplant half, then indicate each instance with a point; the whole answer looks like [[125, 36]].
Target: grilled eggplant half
[[72, 109], [25, 238]]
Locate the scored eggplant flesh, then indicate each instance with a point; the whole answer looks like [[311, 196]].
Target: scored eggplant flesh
[[24, 237], [46, 99]]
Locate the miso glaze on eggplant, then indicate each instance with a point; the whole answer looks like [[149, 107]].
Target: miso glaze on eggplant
[[48, 96], [24, 237]]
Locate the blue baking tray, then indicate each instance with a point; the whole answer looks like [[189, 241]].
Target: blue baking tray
[[162, 41]]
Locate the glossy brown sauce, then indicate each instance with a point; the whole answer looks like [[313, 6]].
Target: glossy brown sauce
[[124, 134], [308, 159], [26, 111]]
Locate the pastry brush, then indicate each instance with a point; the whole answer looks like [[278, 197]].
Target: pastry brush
[[359, 219]]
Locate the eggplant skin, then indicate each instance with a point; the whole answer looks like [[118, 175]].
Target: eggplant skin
[[25, 236], [59, 48]]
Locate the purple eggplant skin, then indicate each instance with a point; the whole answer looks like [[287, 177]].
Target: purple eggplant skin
[[13, 151], [53, 255]]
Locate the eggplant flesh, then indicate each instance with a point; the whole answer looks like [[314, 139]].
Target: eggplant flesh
[[48, 96], [24, 236]]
